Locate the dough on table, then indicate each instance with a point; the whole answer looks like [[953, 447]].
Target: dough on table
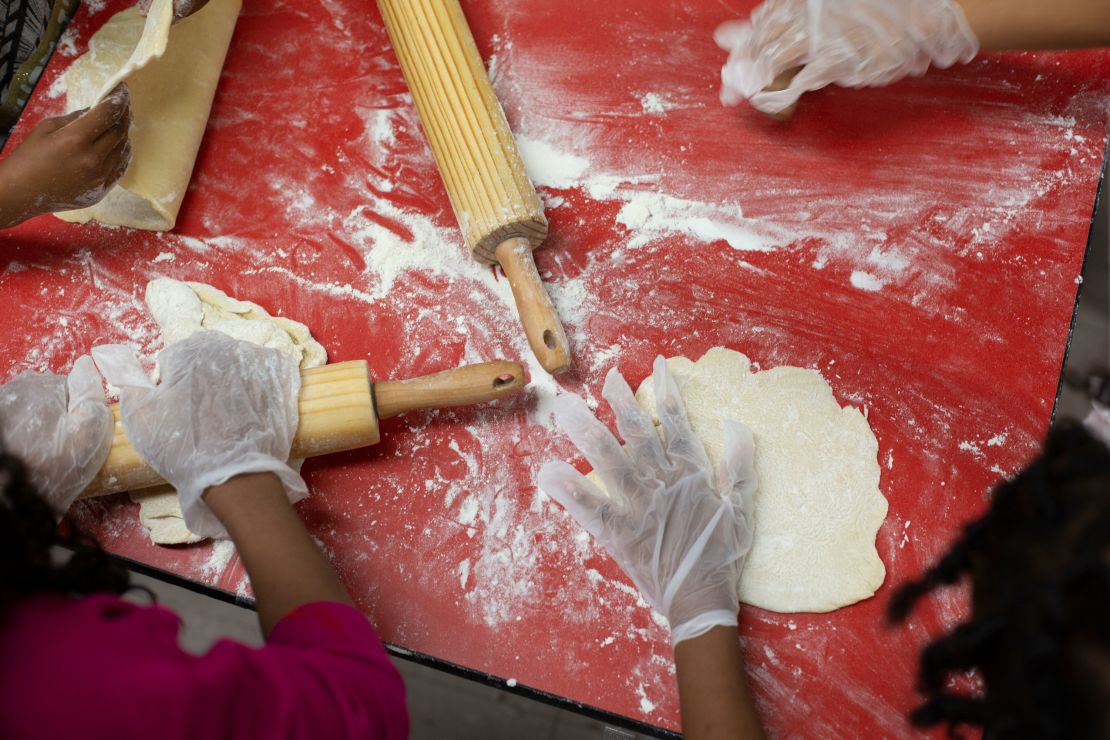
[[182, 308], [171, 72], [818, 507]]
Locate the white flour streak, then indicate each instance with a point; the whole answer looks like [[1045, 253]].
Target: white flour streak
[[336, 291], [218, 560], [549, 167], [888, 262], [571, 299], [647, 214], [655, 104], [650, 216], [866, 281], [380, 126]]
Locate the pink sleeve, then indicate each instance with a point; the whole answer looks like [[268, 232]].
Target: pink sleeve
[[322, 673]]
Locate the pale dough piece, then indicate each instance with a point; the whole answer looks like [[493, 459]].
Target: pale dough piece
[[182, 308], [151, 45], [171, 98], [160, 513], [818, 507]]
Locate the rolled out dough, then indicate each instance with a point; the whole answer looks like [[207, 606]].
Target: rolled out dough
[[182, 308], [151, 45], [818, 506], [171, 97]]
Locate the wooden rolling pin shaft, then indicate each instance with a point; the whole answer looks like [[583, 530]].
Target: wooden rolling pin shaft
[[494, 201], [339, 410]]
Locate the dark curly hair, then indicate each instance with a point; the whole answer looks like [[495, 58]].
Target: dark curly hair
[[1039, 634], [29, 531]]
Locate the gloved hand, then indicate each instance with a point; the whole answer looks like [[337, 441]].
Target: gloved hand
[[60, 427], [224, 407], [852, 43], [679, 529]]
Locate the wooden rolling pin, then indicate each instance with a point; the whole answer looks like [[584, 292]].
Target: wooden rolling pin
[[339, 410], [494, 201]]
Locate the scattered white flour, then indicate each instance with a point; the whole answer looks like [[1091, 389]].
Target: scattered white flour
[[546, 165], [58, 88], [866, 281], [888, 262], [511, 683], [164, 257], [572, 300], [650, 216], [218, 560], [380, 123], [469, 511], [656, 104]]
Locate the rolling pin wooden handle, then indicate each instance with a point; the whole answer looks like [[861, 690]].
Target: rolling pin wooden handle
[[462, 386], [537, 312]]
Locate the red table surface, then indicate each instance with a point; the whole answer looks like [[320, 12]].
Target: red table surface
[[967, 195]]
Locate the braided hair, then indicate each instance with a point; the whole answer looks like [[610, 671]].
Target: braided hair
[[28, 533], [1039, 634]]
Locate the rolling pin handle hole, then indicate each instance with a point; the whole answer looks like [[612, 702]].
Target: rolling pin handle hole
[[549, 338], [503, 380]]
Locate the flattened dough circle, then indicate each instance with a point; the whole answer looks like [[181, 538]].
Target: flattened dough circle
[[818, 506]]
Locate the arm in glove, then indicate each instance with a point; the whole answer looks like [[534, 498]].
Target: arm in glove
[[680, 529], [60, 427], [224, 407], [852, 43]]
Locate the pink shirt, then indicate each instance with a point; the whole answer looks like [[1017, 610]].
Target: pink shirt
[[100, 667]]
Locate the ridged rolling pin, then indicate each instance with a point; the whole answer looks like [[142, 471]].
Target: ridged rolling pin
[[339, 410], [497, 208]]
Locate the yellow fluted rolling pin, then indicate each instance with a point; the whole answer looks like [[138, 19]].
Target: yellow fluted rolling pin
[[494, 201], [339, 410]]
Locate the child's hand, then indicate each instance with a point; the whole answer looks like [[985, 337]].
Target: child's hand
[[60, 427], [224, 407], [67, 162], [789, 47], [181, 8], [680, 528]]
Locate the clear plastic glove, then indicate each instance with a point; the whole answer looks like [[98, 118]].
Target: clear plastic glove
[[852, 43], [680, 530], [60, 427], [224, 407]]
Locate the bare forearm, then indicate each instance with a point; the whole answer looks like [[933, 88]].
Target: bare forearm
[[1039, 24], [713, 689], [285, 566]]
